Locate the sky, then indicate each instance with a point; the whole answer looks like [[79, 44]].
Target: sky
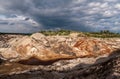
[[27, 16]]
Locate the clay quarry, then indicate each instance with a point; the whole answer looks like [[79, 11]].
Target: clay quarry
[[38, 56]]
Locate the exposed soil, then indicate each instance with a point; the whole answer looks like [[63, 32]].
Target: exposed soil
[[109, 68], [59, 57]]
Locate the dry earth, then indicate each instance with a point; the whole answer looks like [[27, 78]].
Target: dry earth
[[59, 57]]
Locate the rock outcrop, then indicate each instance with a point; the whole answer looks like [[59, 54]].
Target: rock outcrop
[[59, 57], [47, 49], [102, 68], [92, 47]]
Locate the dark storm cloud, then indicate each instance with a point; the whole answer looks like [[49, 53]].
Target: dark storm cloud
[[83, 15], [3, 23], [55, 14]]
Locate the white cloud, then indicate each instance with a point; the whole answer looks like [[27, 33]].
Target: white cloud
[[94, 4], [17, 19], [110, 0], [117, 6], [109, 13], [78, 1]]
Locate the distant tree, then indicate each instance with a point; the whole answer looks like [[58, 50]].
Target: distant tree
[[105, 32]]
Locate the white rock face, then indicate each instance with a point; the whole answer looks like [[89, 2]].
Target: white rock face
[[37, 36], [46, 48], [57, 53]]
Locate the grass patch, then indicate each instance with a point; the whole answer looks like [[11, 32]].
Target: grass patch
[[101, 34], [57, 32]]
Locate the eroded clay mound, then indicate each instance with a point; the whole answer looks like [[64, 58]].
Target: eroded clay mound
[[47, 49], [27, 48], [92, 47]]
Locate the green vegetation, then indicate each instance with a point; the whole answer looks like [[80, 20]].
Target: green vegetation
[[62, 32], [101, 34], [58, 32]]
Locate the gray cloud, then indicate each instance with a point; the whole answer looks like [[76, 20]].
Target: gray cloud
[[83, 15]]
